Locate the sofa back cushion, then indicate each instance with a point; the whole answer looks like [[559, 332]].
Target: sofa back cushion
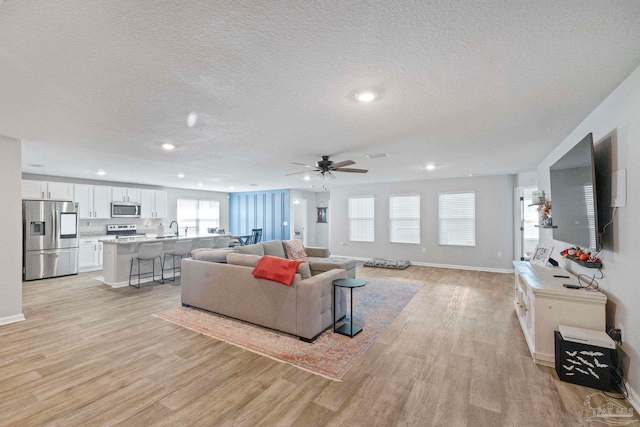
[[251, 249], [294, 249], [211, 255], [244, 260], [274, 248]]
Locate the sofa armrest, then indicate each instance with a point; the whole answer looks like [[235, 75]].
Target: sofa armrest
[[314, 302], [317, 252]]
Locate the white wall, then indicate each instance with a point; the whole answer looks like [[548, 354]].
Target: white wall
[[11, 220], [494, 223], [617, 117], [98, 226], [310, 197], [527, 179]]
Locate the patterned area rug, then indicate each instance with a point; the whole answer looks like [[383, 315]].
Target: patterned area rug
[[331, 355]]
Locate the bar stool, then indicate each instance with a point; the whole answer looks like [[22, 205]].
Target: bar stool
[[180, 250], [148, 252], [206, 243]]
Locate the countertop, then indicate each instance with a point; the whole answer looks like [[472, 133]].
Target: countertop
[[152, 238]]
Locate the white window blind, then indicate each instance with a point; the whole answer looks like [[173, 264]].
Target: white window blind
[[361, 219], [457, 219], [404, 218], [198, 214]]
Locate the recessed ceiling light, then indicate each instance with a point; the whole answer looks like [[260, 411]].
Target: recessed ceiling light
[[377, 156], [307, 178], [101, 172], [168, 146], [200, 184], [192, 118], [366, 96], [180, 175], [431, 166], [231, 187]]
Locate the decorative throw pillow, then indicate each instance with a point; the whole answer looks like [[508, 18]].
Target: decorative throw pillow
[[294, 249]]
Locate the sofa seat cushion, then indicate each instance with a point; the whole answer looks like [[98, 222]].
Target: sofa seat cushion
[[252, 260], [273, 248], [212, 255], [257, 249], [326, 264]]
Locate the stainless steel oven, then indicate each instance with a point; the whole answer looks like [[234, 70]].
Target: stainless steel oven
[[125, 210]]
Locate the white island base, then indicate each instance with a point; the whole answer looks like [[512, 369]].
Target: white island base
[[119, 253]]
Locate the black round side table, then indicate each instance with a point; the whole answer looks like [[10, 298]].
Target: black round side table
[[346, 329]]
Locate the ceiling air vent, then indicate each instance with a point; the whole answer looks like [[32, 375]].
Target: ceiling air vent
[[377, 156]]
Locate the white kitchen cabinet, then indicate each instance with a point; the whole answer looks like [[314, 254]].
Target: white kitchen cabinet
[[542, 304], [153, 204], [90, 254], [59, 191], [33, 189], [123, 194], [94, 201], [161, 204], [47, 190], [102, 201]]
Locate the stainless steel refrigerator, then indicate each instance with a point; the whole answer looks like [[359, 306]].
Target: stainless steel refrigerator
[[50, 239]]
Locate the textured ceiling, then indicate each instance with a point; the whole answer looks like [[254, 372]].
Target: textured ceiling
[[476, 87]]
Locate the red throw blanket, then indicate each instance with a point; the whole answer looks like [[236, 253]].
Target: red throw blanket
[[280, 270]]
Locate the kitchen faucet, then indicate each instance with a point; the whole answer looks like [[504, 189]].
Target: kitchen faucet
[[177, 227]]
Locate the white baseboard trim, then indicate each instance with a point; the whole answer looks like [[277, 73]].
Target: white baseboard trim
[[634, 398], [12, 319], [451, 266]]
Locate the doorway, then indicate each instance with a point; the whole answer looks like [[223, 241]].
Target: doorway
[[526, 233], [299, 220]]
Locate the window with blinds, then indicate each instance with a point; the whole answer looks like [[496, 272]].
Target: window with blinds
[[404, 218], [361, 219], [457, 219], [198, 214]]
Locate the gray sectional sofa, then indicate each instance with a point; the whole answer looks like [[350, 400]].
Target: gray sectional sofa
[[304, 309]]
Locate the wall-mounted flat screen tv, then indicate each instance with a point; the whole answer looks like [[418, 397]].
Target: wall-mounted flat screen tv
[[573, 196]]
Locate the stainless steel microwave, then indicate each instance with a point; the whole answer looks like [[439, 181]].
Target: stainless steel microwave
[[125, 210]]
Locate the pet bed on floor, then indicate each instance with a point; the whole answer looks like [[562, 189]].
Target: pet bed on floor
[[387, 263]]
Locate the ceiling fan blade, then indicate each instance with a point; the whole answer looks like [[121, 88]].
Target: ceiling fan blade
[[343, 163], [302, 164], [350, 170], [296, 173]]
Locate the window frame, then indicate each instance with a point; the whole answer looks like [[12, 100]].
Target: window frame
[[372, 218], [475, 233], [419, 218], [198, 219]]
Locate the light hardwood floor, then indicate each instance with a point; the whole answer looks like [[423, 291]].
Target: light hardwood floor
[[91, 355]]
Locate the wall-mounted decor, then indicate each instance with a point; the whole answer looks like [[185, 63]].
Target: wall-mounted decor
[[322, 215]]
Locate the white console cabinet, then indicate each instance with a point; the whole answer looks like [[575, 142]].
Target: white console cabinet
[[542, 303]]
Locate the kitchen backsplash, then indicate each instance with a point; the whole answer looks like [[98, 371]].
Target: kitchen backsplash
[[98, 227]]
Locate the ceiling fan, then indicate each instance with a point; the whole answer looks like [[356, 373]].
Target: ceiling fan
[[325, 166]]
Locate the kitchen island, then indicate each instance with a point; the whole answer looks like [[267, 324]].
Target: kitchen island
[[118, 254]]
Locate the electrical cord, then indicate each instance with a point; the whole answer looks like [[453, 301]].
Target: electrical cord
[[593, 284]]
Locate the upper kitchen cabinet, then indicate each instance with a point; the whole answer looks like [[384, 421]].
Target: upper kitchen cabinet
[[123, 194], [153, 204], [94, 201], [46, 190]]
